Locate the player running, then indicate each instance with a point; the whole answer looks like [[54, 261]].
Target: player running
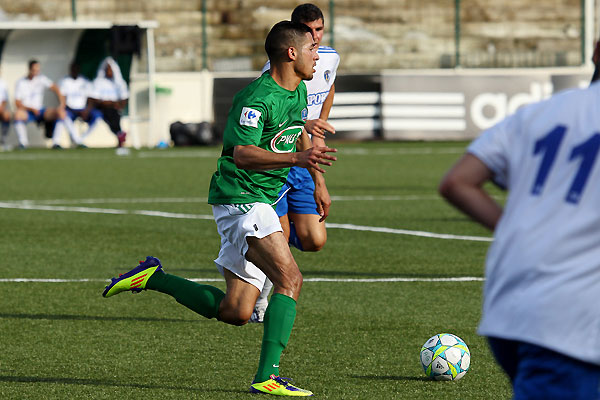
[[259, 146], [302, 209]]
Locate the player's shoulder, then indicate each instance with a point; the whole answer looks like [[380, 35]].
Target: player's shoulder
[[328, 55], [256, 92], [326, 50]]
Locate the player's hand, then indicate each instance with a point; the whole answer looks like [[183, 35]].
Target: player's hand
[[323, 201], [314, 156], [318, 128]]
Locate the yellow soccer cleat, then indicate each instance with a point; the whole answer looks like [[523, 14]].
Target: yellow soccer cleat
[[134, 280], [278, 386]]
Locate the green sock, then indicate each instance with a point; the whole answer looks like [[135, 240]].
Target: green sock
[[279, 321], [202, 299]]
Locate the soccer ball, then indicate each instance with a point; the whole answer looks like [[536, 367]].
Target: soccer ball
[[445, 357]]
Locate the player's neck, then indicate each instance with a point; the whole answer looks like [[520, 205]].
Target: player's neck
[[285, 76]]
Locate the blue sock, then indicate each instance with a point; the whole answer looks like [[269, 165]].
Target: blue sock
[[294, 240]]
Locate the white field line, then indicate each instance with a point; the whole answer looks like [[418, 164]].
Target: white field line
[[335, 280], [150, 213], [204, 200], [407, 232], [210, 153]]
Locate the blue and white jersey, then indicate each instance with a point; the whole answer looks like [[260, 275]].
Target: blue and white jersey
[[76, 91], [543, 268], [109, 89], [30, 92], [319, 86]]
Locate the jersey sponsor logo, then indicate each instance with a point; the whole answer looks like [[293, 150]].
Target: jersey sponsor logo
[[327, 75], [314, 99], [249, 117], [285, 140], [304, 114]]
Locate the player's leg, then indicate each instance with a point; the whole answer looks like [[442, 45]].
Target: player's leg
[[262, 302], [5, 125], [21, 118], [112, 117], [92, 120], [58, 115], [70, 117], [306, 232], [310, 233], [273, 256], [236, 306], [149, 275]]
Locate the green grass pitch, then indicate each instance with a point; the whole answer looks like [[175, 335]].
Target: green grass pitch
[[72, 219]]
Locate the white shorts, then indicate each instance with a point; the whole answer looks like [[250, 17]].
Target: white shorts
[[234, 224]]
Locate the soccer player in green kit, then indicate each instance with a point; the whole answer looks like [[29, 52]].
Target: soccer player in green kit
[[265, 123]]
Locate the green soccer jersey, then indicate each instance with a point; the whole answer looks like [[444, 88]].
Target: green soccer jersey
[[265, 115]]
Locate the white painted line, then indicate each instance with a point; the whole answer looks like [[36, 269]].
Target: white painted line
[[334, 280], [386, 198], [390, 152], [40, 207], [407, 232], [118, 201], [151, 213]]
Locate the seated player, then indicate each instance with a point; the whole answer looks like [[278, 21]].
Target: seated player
[[29, 99], [77, 89]]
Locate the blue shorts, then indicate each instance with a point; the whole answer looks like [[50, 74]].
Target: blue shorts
[[92, 116], [31, 117], [299, 198], [539, 373]]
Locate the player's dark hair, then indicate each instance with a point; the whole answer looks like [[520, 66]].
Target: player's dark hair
[[307, 12], [283, 35], [33, 61]]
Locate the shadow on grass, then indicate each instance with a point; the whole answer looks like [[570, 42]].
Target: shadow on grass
[[99, 382], [91, 318], [391, 378]]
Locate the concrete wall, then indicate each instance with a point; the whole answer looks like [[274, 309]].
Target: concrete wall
[[369, 35]]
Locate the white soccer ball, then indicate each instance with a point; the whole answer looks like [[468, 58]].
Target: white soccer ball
[[445, 357]]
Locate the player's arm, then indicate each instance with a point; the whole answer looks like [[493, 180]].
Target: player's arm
[[321, 194], [327, 104], [318, 127], [22, 106], [255, 158], [463, 187], [59, 95]]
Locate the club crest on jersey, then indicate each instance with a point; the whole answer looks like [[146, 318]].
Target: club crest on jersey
[[304, 114], [327, 75], [249, 117], [285, 140]]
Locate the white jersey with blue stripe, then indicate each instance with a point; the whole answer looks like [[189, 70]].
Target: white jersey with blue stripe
[[543, 269]]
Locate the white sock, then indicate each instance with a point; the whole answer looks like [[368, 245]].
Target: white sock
[[264, 294], [89, 130], [71, 129], [57, 131], [21, 133]]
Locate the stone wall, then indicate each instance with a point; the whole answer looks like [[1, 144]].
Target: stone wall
[[369, 35]]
